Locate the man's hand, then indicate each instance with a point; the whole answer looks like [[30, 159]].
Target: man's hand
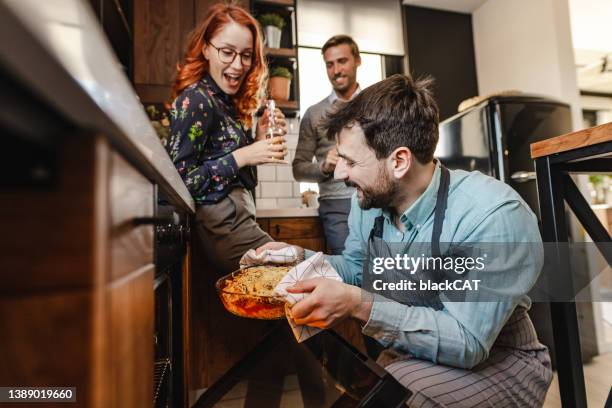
[[280, 245], [329, 164], [328, 303]]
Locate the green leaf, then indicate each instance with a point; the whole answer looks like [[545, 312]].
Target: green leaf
[[194, 132], [280, 72]]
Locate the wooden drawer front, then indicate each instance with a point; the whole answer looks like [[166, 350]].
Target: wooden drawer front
[[46, 340], [286, 228], [131, 351], [314, 244], [47, 233], [264, 224], [130, 197]]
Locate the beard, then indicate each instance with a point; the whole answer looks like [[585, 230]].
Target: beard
[[380, 194], [350, 80]]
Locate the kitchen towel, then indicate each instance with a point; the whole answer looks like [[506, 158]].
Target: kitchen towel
[[284, 255], [314, 267]]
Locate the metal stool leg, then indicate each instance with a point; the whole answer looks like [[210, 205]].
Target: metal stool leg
[[564, 318]]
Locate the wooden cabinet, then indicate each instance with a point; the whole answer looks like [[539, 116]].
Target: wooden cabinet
[[160, 35], [76, 306], [161, 30], [306, 232], [130, 198], [130, 339], [202, 6], [45, 339]]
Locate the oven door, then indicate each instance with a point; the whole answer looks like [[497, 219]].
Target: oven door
[[323, 371]]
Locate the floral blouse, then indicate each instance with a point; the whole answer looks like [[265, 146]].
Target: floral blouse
[[204, 131]]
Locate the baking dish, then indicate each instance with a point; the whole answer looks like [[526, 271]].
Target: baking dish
[[239, 301]]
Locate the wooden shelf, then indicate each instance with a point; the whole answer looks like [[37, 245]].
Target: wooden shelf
[[287, 55], [290, 105], [281, 52], [290, 3]]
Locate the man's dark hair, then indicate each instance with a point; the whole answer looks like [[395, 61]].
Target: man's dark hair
[[341, 39], [392, 113]]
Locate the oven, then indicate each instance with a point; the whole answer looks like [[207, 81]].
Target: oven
[[323, 371], [171, 236]]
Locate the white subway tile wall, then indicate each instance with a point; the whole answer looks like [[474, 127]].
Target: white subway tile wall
[[277, 188], [296, 190], [284, 173], [267, 203], [266, 173], [289, 202]]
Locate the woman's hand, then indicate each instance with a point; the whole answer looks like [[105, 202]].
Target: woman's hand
[[262, 124], [262, 152]]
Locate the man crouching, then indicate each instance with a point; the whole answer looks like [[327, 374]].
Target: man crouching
[[447, 352]]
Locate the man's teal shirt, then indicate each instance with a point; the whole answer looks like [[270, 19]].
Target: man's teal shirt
[[480, 209]]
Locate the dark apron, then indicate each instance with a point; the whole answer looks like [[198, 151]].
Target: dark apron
[[377, 247]]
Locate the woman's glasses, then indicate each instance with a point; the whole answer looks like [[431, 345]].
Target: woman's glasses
[[228, 55]]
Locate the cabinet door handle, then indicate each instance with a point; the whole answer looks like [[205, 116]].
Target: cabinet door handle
[[277, 229]]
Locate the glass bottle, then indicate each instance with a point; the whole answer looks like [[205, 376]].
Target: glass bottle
[[272, 128]]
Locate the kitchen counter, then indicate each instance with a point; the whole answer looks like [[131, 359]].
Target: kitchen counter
[[572, 141], [59, 51], [288, 212]]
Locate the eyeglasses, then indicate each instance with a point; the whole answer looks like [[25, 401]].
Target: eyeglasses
[[228, 55]]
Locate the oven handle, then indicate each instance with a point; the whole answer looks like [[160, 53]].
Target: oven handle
[[170, 219]]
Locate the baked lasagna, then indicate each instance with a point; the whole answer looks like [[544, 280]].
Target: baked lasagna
[[250, 292]]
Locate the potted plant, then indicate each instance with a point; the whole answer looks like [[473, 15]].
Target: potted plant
[[272, 25], [279, 84]]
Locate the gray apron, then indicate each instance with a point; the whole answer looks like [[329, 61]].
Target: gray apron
[[517, 372]]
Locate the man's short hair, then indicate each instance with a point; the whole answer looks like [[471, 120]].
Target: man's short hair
[[392, 113], [341, 39]]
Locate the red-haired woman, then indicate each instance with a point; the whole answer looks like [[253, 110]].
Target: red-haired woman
[[217, 90]]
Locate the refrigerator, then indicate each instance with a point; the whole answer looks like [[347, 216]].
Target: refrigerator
[[494, 137]]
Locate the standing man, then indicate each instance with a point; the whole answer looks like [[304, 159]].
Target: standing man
[[341, 56]]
